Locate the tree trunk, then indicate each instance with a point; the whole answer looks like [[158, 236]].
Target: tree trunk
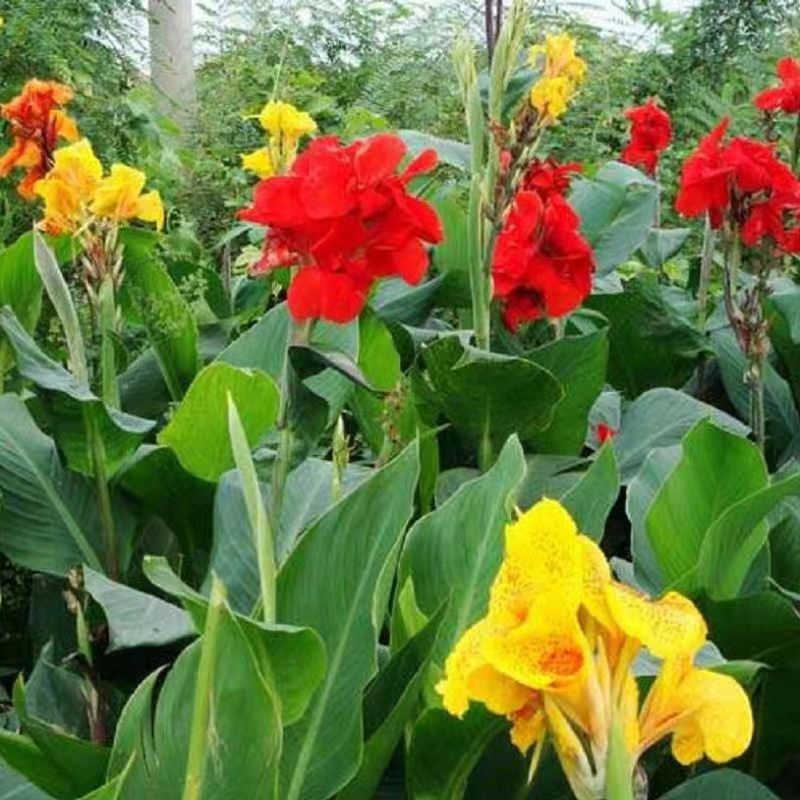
[[172, 58]]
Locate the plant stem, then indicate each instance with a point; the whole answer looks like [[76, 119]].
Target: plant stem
[[706, 264], [481, 315], [201, 714], [299, 333], [619, 766], [107, 322], [5, 359], [796, 146], [108, 526], [757, 419]]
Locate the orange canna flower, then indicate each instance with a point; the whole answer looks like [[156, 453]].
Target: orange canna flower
[[37, 121]]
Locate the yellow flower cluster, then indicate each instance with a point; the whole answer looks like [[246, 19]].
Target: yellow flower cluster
[[562, 73], [555, 651], [74, 191], [285, 126]]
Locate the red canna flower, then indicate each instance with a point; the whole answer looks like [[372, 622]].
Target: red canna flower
[[785, 97], [37, 123], [344, 217], [651, 133], [746, 181], [605, 433], [541, 265]]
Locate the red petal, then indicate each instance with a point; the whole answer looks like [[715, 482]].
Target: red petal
[[276, 201], [788, 69], [426, 220], [424, 162], [410, 261], [378, 157]]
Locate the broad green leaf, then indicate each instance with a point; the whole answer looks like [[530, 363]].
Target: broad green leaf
[[331, 582], [25, 761], [228, 670], [198, 432], [721, 784], [662, 244], [579, 364], [136, 619], [296, 655], [616, 208], [388, 704], [782, 417], [444, 750], [455, 551], [14, 786], [396, 301], [591, 499], [451, 257], [661, 418], [48, 516], [451, 152], [480, 393], [784, 333], [651, 344], [151, 298], [717, 470], [71, 400]]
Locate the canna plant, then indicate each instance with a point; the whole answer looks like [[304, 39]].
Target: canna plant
[[447, 495]]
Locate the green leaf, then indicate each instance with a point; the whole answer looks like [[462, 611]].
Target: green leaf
[[150, 296], [579, 364], [48, 516], [15, 787], [331, 582], [616, 208], [451, 152], [721, 784], [444, 750], [455, 551], [296, 655], [662, 244], [661, 418], [388, 704], [591, 499], [136, 619], [784, 333], [229, 670], [396, 301], [716, 471], [480, 392], [198, 432], [72, 400], [651, 344]]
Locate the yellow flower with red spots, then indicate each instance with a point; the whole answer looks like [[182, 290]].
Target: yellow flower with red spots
[[555, 651]]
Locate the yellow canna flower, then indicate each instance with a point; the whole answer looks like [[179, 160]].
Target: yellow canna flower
[[281, 119], [260, 162], [563, 71], [555, 651], [69, 187], [119, 197]]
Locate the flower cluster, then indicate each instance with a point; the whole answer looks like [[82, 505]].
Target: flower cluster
[[555, 651], [74, 190], [785, 97], [744, 181], [38, 121], [285, 126], [344, 217], [562, 72], [651, 133], [541, 265]]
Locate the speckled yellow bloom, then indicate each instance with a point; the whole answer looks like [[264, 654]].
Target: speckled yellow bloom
[[119, 197], [562, 72], [68, 188], [554, 654], [285, 126]]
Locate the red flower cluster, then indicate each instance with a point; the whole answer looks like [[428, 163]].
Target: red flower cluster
[[651, 133], [37, 123], [346, 219], [605, 433], [785, 97], [541, 264], [744, 179]]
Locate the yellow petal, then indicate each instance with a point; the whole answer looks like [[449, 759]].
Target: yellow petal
[[668, 627], [596, 576], [260, 162], [151, 209], [527, 725], [468, 676], [543, 555], [117, 196], [551, 96], [719, 721], [283, 119]]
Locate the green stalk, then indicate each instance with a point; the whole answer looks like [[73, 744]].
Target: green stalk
[[619, 766], [105, 511], [107, 322], [796, 146], [299, 333], [5, 363], [478, 275], [201, 714]]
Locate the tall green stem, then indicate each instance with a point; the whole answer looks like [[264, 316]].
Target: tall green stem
[[478, 274], [619, 766], [202, 707], [796, 146], [105, 511], [299, 333], [107, 322]]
